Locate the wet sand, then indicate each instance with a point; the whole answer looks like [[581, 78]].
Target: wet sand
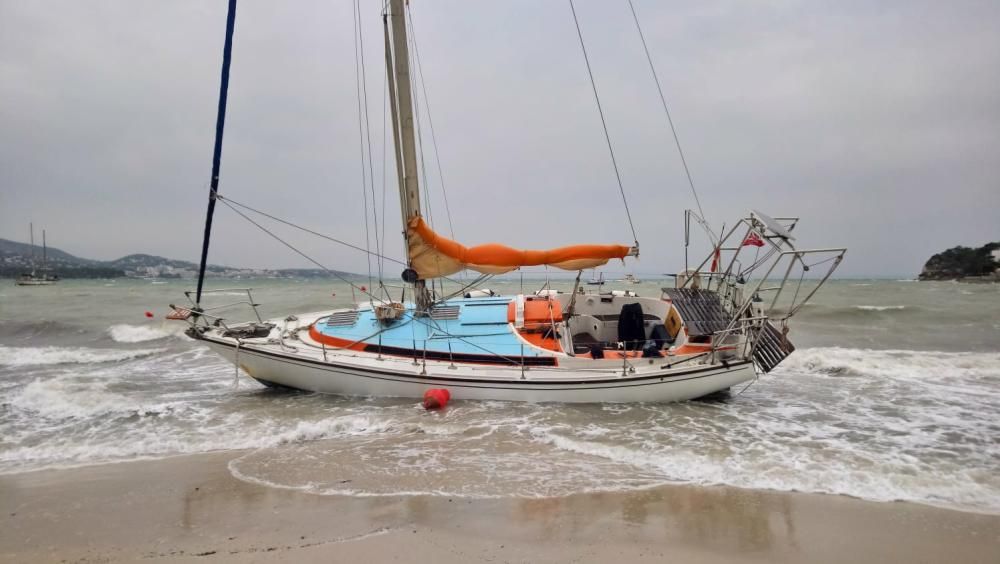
[[190, 509]]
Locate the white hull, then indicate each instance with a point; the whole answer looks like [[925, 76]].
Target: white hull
[[364, 374], [35, 282]]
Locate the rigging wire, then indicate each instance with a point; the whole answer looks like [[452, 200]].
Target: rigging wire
[[385, 136], [307, 230], [482, 278], [428, 210], [423, 166], [430, 120], [670, 120], [229, 201], [302, 254], [361, 139], [368, 134], [604, 123], [419, 132]]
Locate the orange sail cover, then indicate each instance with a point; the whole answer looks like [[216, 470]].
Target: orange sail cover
[[432, 255]]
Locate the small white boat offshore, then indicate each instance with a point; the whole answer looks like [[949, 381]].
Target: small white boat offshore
[[707, 332], [631, 279], [33, 279], [36, 278]]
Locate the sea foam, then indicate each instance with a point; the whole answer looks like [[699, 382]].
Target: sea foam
[[875, 424], [124, 333], [28, 356]]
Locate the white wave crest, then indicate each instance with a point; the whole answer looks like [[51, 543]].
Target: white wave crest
[[28, 356], [117, 442], [926, 366], [124, 333], [61, 398], [880, 308], [347, 425], [785, 468]]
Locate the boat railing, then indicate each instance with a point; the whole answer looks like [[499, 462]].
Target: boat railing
[[202, 313], [746, 326], [795, 257], [775, 266]]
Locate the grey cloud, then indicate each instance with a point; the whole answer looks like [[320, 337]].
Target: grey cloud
[[878, 123]]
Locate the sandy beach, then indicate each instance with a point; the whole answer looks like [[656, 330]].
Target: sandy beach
[[190, 508]]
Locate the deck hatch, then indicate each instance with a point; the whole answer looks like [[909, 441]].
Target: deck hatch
[[445, 312], [342, 318]]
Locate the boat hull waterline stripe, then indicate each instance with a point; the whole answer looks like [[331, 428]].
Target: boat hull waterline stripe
[[534, 383]]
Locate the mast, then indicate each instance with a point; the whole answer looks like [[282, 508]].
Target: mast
[[45, 250], [398, 69], [31, 229], [227, 55]]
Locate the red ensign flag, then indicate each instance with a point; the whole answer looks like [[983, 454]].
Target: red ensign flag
[[753, 239]]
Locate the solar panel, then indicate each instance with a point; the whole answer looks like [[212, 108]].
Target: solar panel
[[773, 226]]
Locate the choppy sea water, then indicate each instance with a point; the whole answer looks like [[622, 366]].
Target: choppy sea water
[[894, 394]]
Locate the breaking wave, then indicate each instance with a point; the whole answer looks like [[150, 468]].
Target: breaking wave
[[30, 356], [857, 313], [874, 424], [124, 333]]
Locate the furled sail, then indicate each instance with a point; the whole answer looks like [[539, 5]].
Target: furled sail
[[432, 255]]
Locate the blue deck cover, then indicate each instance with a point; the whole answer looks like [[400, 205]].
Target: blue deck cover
[[481, 329]]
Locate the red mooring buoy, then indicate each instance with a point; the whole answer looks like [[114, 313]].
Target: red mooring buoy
[[436, 398], [149, 314]]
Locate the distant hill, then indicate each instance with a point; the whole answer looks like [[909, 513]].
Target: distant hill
[[17, 258], [960, 263]]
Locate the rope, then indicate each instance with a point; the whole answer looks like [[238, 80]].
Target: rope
[[798, 287], [670, 120], [430, 120], [752, 382], [228, 201], [236, 361], [361, 140], [437, 327], [758, 261], [479, 280], [368, 134], [297, 251], [604, 123], [385, 136]]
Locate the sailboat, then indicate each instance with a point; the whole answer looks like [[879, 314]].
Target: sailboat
[[706, 334], [596, 280], [34, 278]]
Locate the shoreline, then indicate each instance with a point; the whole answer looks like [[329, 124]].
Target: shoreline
[[234, 455], [190, 508]]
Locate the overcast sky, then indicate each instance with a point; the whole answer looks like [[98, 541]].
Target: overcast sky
[[876, 122]]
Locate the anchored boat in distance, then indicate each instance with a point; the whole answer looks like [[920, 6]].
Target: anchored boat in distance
[[36, 278]]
